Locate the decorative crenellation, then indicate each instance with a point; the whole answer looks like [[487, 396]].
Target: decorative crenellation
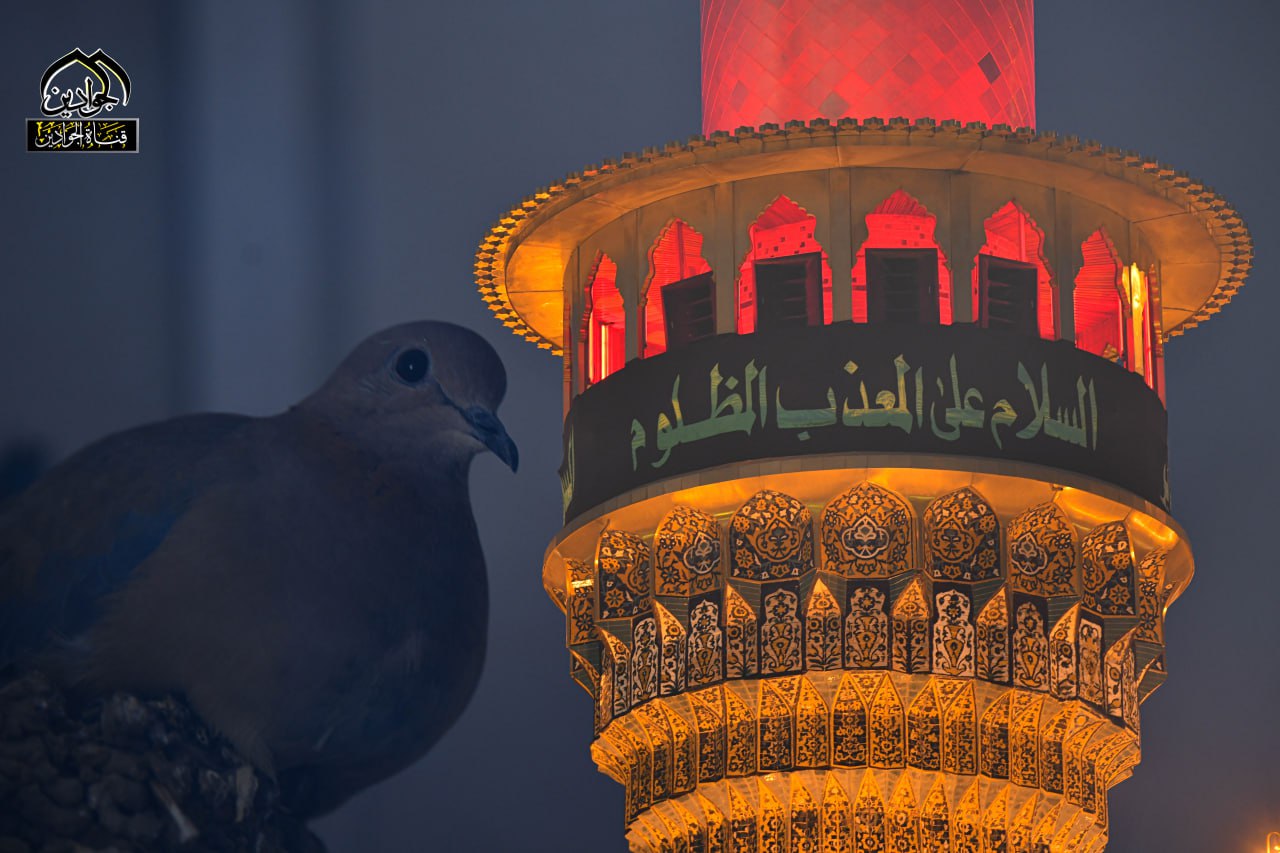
[[920, 637], [865, 761], [1038, 606]]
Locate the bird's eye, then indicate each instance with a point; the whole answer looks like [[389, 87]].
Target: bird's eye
[[412, 366]]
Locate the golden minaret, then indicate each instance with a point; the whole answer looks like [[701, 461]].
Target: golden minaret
[[867, 541]]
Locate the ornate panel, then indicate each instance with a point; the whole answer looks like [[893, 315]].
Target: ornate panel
[[813, 728], [868, 816], [622, 571], [887, 726], [615, 680], [717, 826], [911, 630], [993, 640], [1044, 830], [644, 660], [924, 730], [1152, 596], [693, 830], [1030, 647], [902, 830], [959, 730], [1024, 739], [935, 819], [953, 633], [673, 653], [968, 818], [1042, 552], [684, 751], [706, 643], [849, 725], [866, 628], [773, 821], [655, 729], [1063, 659], [781, 631], [1022, 827], [962, 537], [866, 533], [686, 549], [771, 537], [709, 718], [994, 730], [1089, 660], [741, 653], [806, 831], [822, 643], [1122, 682], [777, 734], [995, 824], [1106, 558], [742, 823], [580, 602], [740, 728], [837, 818]]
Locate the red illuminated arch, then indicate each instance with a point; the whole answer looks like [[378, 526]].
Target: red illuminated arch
[[604, 329], [900, 222], [675, 256], [1098, 301], [782, 230], [1012, 234]]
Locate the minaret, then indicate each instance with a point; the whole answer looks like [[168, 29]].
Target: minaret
[[867, 539]]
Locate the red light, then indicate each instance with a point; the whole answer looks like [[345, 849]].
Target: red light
[[900, 222], [1014, 235], [783, 229], [606, 322], [676, 255], [1098, 303], [778, 60]]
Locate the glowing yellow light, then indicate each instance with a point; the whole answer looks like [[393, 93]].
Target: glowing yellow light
[[1135, 284]]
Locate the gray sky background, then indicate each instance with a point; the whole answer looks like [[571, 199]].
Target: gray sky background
[[313, 170]]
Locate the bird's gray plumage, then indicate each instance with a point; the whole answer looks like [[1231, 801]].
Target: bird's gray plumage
[[312, 582]]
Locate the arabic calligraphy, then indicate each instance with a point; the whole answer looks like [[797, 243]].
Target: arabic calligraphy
[[94, 96], [82, 135], [742, 405]]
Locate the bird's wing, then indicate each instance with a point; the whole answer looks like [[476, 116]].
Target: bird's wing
[[78, 533]]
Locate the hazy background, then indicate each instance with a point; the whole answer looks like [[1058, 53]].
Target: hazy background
[[312, 171]]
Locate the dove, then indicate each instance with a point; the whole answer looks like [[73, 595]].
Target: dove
[[312, 582]]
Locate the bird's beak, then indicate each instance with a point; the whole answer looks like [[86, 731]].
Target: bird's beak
[[490, 431]]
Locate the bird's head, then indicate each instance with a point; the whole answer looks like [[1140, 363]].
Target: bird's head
[[421, 391]]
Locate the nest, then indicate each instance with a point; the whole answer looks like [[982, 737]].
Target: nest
[[122, 773]]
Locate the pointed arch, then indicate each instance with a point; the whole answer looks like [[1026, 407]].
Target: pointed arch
[[604, 327], [911, 630], [900, 222], [1012, 235], [924, 730], [813, 728], [672, 652], [822, 649], [675, 258], [1098, 303], [784, 229], [867, 531]]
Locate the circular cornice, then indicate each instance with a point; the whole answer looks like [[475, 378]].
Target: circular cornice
[[520, 263]]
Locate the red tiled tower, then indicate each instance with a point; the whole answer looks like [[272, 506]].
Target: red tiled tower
[[769, 61]]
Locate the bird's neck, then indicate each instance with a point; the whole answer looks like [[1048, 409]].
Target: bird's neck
[[423, 464]]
